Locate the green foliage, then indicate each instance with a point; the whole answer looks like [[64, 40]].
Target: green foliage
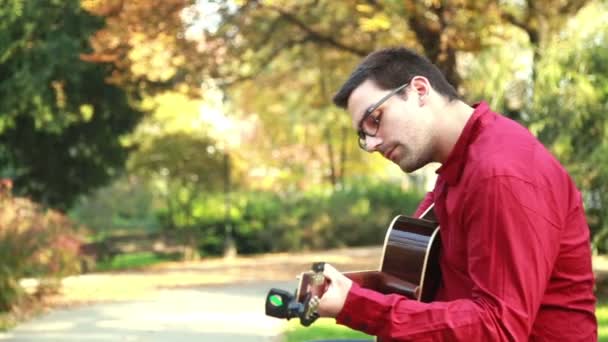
[[173, 147], [60, 123], [601, 313], [180, 159], [498, 77], [322, 329], [133, 261], [569, 109], [558, 89], [125, 205], [358, 214]]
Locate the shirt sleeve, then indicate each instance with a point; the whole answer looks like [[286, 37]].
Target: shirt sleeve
[[511, 247]]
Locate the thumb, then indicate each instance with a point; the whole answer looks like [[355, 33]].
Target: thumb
[[337, 278], [331, 272], [338, 286]]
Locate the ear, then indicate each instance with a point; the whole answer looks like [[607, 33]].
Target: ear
[[422, 86]]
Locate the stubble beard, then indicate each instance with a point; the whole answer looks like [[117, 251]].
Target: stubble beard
[[412, 161]]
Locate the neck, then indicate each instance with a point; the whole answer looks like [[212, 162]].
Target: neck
[[453, 116]]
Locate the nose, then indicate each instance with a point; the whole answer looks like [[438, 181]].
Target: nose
[[372, 143]]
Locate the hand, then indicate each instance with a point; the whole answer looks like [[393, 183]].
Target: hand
[[333, 299]]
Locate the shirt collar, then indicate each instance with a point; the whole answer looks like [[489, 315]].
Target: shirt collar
[[452, 169]]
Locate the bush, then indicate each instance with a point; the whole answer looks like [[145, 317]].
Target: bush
[[33, 243], [355, 215]]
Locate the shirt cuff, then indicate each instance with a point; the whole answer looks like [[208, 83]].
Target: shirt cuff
[[365, 310]]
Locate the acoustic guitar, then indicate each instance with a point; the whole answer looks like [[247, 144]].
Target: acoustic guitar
[[409, 267], [410, 259]]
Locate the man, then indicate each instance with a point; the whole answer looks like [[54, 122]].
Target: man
[[515, 253]]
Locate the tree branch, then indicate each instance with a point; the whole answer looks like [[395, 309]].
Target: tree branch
[[316, 35], [572, 6], [266, 61]]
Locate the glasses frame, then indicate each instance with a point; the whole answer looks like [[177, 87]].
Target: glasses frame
[[361, 134]]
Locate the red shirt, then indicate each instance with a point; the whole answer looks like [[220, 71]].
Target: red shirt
[[515, 257]]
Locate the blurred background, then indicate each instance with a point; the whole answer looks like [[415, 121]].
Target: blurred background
[[135, 132]]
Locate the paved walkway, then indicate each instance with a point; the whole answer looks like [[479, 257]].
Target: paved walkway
[[190, 311], [213, 313], [208, 300]]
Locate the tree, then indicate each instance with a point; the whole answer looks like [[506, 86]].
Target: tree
[[569, 109], [310, 46], [145, 43], [559, 93], [60, 122], [307, 47], [258, 32]]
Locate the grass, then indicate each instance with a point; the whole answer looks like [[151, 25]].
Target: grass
[[134, 261], [323, 328], [7, 321], [327, 329], [601, 312]]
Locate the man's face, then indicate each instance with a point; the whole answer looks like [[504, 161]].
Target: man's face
[[404, 131]]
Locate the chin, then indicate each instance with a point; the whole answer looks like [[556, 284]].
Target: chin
[[406, 168], [409, 167], [409, 170]]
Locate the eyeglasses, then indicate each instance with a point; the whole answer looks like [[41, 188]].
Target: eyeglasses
[[369, 124]]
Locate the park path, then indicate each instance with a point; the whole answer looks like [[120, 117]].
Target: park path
[[210, 300], [213, 313]]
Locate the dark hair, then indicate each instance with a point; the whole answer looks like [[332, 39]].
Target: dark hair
[[392, 67]]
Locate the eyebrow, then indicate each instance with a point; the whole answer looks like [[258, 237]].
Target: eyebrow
[[385, 97], [369, 110]]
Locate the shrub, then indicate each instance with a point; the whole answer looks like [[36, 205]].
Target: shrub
[[356, 214], [33, 243]]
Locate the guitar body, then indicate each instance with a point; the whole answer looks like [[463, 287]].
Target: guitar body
[[410, 259], [409, 267]]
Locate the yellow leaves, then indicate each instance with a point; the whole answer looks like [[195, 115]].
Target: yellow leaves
[[364, 8], [60, 97], [151, 58], [273, 3], [172, 113], [100, 7], [497, 34], [378, 22], [372, 22], [86, 111], [245, 69], [563, 147], [175, 113], [143, 39], [89, 5]]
